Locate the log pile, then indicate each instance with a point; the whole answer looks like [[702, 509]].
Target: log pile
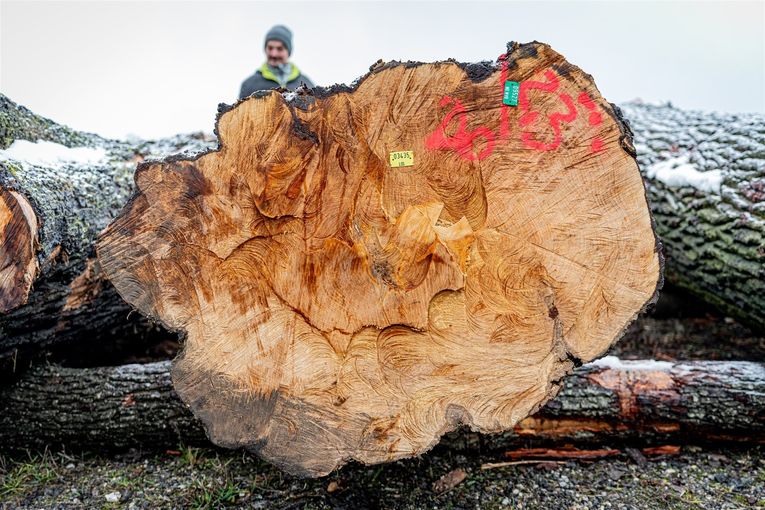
[[356, 271]]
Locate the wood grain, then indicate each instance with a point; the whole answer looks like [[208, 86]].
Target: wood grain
[[18, 243], [336, 308]]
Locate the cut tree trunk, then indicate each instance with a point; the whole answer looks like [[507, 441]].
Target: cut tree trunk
[[360, 270], [611, 400], [52, 290], [706, 182], [607, 402]]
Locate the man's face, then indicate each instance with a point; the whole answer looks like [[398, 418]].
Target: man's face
[[276, 53]]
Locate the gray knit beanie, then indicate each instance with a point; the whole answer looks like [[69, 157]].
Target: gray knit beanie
[[282, 34]]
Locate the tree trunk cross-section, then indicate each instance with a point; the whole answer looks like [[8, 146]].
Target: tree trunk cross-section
[[18, 225], [339, 306]]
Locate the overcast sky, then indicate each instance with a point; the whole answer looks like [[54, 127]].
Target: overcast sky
[[152, 68]]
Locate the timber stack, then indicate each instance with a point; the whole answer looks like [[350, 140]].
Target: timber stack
[[356, 271]]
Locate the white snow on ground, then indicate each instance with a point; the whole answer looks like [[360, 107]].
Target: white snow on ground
[[678, 172], [289, 96], [51, 154], [641, 101], [618, 364]]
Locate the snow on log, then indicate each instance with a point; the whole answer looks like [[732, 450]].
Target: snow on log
[[706, 183], [113, 408], [359, 270], [58, 189]]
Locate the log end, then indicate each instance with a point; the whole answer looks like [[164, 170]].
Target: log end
[[18, 244], [359, 272]]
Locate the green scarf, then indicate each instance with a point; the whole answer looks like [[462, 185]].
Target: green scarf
[[269, 75]]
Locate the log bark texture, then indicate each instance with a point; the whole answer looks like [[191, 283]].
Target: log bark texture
[[339, 305], [607, 401], [52, 290], [706, 181]]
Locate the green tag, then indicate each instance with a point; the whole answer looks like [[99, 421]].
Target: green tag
[[510, 97], [401, 158]]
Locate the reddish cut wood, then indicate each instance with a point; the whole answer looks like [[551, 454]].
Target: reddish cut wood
[[18, 243], [339, 308]]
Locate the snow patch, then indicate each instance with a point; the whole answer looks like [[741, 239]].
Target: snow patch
[[650, 102], [289, 96], [112, 497], [678, 172], [51, 154], [727, 372], [618, 364]]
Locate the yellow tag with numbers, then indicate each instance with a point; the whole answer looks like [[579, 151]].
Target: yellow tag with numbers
[[401, 158]]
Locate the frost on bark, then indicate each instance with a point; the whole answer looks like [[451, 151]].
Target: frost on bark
[[339, 306], [52, 290], [706, 183]]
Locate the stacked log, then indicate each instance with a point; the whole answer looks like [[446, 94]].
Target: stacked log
[[706, 183], [52, 289], [608, 402]]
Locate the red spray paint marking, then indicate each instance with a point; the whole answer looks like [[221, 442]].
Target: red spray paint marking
[[586, 100], [462, 139], [595, 119], [554, 119], [596, 145], [551, 86]]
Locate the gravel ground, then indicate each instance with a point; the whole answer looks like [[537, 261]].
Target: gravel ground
[[209, 478]]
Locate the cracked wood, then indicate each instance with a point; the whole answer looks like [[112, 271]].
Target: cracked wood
[[336, 308]]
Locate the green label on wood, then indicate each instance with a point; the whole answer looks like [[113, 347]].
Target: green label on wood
[[510, 97]]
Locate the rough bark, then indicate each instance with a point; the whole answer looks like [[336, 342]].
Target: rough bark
[[607, 401], [339, 306], [611, 401], [95, 409], [706, 182], [51, 287]]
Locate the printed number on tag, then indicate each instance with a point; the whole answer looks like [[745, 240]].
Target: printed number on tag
[[401, 158], [510, 97]]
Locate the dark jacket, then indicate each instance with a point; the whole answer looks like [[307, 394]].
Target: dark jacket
[[265, 79]]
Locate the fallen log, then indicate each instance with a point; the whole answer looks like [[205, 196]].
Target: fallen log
[[704, 174], [58, 189], [605, 402], [611, 400], [360, 270]]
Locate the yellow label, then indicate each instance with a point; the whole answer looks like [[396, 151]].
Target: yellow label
[[401, 158]]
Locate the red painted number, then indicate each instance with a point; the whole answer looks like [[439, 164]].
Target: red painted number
[[465, 142], [462, 141]]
